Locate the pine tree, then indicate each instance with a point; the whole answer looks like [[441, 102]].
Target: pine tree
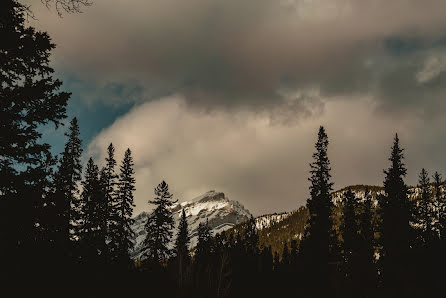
[[424, 212], [67, 200], [440, 206], [159, 225], [111, 218], [319, 241], [204, 247], [29, 100], [91, 193], [124, 209], [203, 261], [395, 214], [251, 237], [182, 248]]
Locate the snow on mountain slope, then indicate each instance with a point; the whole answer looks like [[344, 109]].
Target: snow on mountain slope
[[267, 220], [221, 213]]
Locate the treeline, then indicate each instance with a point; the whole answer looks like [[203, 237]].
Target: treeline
[[63, 232]]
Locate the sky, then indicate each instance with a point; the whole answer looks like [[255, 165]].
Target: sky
[[228, 95]]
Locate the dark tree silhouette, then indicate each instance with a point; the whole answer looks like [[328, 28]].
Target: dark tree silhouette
[[424, 212], [395, 214], [66, 198], [440, 205], [182, 249], [124, 209], [90, 238], [159, 225], [319, 240], [29, 99], [110, 180], [203, 261]]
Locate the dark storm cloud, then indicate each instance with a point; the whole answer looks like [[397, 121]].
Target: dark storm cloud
[[228, 52]]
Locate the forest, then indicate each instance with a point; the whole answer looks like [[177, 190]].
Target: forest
[[65, 227]]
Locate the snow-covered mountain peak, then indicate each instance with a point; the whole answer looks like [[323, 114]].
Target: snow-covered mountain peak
[[214, 207]]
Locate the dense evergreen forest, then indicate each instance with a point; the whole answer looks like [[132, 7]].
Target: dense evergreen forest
[[66, 227]]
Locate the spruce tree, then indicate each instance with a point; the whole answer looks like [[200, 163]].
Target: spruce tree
[[124, 209], [251, 237], [111, 218], [182, 248], [395, 212], [424, 212], [67, 200], [159, 225], [440, 206], [29, 100], [319, 241], [203, 261], [204, 247], [91, 193]]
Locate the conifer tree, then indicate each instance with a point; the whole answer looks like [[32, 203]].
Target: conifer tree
[[440, 206], [124, 209], [67, 200], [111, 218], [182, 248], [251, 236], [319, 241], [29, 100], [203, 261], [159, 225], [204, 244], [424, 213], [395, 214], [91, 193]]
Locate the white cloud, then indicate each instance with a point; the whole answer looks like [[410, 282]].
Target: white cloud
[[257, 161]]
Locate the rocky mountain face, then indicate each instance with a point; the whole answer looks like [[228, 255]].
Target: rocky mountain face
[[220, 212]]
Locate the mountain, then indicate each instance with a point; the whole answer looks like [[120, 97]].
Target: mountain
[[221, 213], [275, 229]]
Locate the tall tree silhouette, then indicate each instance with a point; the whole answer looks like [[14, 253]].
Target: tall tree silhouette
[[182, 249], [203, 261], [29, 99], [110, 183], [124, 209], [90, 238], [318, 243], [159, 225], [424, 212], [440, 206], [395, 214], [67, 199]]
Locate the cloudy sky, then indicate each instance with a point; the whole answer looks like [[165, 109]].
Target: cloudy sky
[[229, 94]]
